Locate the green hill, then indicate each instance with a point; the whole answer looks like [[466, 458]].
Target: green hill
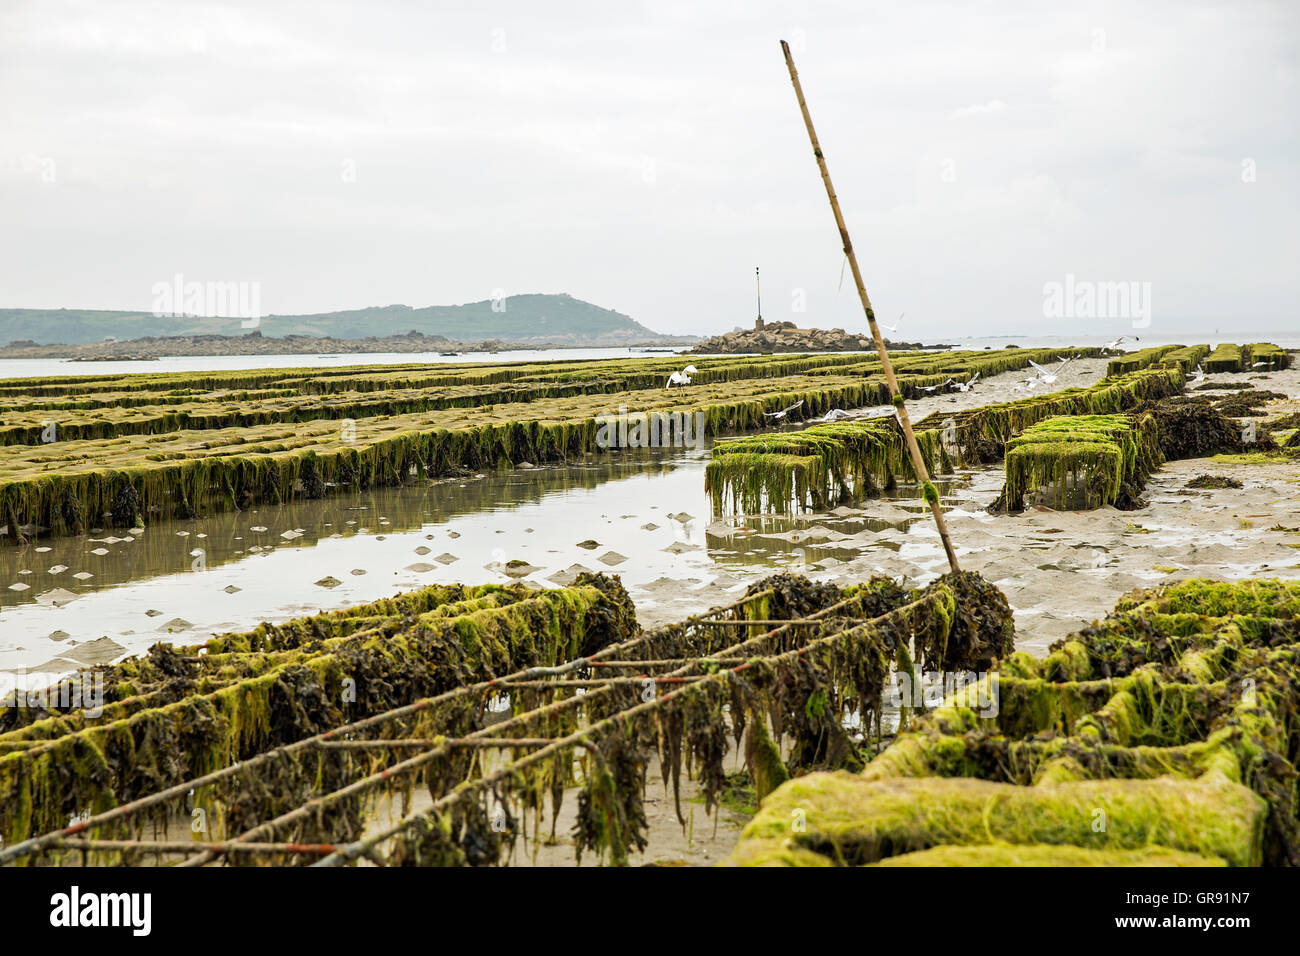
[[525, 319]]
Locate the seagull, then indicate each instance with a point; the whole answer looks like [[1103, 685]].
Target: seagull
[[931, 388], [1259, 364], [1199, 377], [835, 415], [1111, 346], [891, 329], [1044, 376], [683, 377], [1028, 385], [967, 385], [777, 416]]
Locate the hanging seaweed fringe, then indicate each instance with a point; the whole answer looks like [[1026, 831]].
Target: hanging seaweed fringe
[[1081, 462], [824, 464], [177, 714], [815, 467], [805, 686], [783, 695]]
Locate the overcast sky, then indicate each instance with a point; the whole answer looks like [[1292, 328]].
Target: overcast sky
[[646, 157]]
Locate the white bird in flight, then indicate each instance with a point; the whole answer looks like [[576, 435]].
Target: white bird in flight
[[683, 377], [891, 329], [967, 385], [835, 415], [777, 416], [1046, 377], [1110, 346], [1199, 377], [931, 388]]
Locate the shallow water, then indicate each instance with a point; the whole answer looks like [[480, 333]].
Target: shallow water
[[643, 515]]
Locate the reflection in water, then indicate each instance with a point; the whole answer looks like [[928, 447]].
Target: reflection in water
[[173, 546], [641, 514]]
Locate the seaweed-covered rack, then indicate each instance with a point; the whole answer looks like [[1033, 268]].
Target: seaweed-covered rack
[[1166, 734], [496, 755]]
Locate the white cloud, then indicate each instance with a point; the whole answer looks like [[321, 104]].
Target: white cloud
[[992, 106]]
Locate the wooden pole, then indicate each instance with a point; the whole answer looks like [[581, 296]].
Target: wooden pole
[[758, 288], [918, 463]]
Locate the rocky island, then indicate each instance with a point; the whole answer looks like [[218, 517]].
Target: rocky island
[[788, 337]]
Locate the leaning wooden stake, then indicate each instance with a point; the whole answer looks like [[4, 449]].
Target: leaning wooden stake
[[918, 463]]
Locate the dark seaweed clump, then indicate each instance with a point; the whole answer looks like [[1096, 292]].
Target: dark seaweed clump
[[1213, 481], [1196, 428], [795, 595], [983, 627], [612, 620], [126, 507], [1239, 406], [1217, 387]]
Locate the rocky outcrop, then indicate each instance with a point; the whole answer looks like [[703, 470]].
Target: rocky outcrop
[[787, 337]]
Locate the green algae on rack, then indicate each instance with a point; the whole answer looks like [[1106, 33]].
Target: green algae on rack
[[1168, 729], [120, 477], [730, 680], [165, 718], [1187, 358], [144, 405], [1081, 462], [980, 434], [1243, 358], [826, 463], [1142, 358], [804, 684], [1269, 357], [813, 467]]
